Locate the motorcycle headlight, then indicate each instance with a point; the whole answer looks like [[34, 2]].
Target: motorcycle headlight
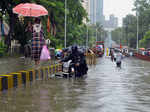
[[72, 69]]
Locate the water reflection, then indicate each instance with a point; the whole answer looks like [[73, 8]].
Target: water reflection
[[106, 89]]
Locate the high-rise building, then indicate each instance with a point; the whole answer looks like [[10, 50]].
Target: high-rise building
[[92, 11], [99, 11], [112, 22], [96, 11]]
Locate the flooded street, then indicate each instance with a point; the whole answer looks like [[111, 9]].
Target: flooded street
[[106, 89], [15, 64]]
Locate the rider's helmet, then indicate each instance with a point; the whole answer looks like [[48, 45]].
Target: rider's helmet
[[74, 48]]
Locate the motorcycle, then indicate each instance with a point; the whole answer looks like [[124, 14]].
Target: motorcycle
[[68, 69]]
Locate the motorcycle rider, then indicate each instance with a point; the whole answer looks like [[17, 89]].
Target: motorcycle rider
[[83, 64], [77, 60]]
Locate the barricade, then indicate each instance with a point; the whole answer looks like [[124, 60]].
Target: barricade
[[91, 58], [19, 78]]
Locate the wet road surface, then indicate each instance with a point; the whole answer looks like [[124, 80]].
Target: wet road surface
[[15, 64], [106, 89]]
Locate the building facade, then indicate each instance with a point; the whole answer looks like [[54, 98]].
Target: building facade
[[94, 8], [112, 22], [96, 11], [99, 11]]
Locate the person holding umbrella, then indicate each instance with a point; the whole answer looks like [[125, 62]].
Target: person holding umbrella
[[37, 41]]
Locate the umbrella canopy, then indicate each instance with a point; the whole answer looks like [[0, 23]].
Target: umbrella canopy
[[30, 9]]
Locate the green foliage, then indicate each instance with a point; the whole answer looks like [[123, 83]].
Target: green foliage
[[75, 16], [142, 7], [129, 31], [117, 35], [145, 42], [76, 29]]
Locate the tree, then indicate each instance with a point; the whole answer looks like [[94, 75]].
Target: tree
[[142, 7], [75, 15], [7, 6], [145, 41], [117, 35], [129, 31]]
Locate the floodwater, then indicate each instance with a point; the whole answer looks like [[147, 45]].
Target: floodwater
[[105, 89], [11, 64]]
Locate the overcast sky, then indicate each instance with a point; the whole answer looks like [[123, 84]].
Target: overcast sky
[[120, 8]]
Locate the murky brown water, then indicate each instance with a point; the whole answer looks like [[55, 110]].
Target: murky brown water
[[106, 89]]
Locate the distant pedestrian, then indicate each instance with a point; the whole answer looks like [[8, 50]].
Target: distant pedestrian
[[119, 57], [111, 54]]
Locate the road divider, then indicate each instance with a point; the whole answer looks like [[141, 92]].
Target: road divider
[[6, 82], [17, 79]]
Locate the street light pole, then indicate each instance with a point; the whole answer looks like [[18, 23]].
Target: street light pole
[[65, 23], [96, 34], [95, 11], [87, 37], [96, 17], [137, 43]]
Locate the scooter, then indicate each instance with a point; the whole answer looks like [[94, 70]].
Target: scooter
[[68, 69]]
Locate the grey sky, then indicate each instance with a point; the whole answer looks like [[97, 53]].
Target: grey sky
[[120, 8]]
